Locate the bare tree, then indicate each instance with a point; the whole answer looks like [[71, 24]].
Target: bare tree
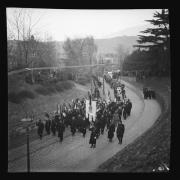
[[21, 27], [80, 51]]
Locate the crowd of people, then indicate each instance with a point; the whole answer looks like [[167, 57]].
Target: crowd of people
[[72, 115], [109, 116], [149, 93]]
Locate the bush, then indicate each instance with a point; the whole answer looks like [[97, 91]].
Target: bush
[[13, 97], [20, 96], [26, 94], [42, 90], [67, 84], [48, 89], [59, 87], [83, 80]]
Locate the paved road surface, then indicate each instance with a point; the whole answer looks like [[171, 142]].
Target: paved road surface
[[74, 153]]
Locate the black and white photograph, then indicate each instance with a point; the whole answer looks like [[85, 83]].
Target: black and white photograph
[[89, 90]]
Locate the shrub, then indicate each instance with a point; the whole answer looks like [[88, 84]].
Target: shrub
[[61, 86], [83, 80], [13, 97], [26, 94], [20, 96], [67, 84], [42, 90], [50, 88]]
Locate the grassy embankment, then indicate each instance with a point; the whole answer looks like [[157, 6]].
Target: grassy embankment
[[152, 149], [26, 98]]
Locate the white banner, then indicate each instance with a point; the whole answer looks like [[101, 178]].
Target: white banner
[[91, 110]]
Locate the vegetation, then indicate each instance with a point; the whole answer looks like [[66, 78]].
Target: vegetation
[[23, 49], [20, 88], [20, 96], [154, 48], [49, 89], [80, 51]]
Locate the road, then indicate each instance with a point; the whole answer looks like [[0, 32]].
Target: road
[[74, 153]]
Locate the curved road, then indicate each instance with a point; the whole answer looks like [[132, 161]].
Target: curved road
[[74, 153]]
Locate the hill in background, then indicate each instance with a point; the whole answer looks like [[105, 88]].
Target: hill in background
[[110, 45]]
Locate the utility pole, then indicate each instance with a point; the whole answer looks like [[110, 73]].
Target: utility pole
[[28, 154], [103, 78], [32, 74], [27, 121]]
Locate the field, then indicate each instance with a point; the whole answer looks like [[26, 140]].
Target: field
[[152, 149]]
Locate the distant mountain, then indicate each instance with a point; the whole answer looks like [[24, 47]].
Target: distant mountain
[[131, 31], [110, 45]]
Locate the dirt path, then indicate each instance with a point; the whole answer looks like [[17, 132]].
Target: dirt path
[[74, 153]]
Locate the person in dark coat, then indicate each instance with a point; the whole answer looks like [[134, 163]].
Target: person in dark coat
[[124, 111], [84, 131], [153, 94], [102, 124], [53, 127], [92, 139], [120, 132], [129, 107], [149, 93], [119, 111], [48, 126], [108, 120], [111, 132], [97, 127], [73, 127], [60, 129], [145, 92], [123, 93], [40, 125], [83, 127]]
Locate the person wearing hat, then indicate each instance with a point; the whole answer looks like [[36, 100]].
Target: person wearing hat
[[145, 92], [60, 129], [111, 132], [53, 127], [48, 125], [73, 126], [93, 137], [120, 131], [129, 107], [40, 129]]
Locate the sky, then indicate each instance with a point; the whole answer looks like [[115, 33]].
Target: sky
[[63, 23]]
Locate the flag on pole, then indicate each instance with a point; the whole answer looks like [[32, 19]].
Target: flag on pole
[[90, 98], [57, 108]]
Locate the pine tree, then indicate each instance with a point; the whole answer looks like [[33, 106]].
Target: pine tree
[[158, 39]]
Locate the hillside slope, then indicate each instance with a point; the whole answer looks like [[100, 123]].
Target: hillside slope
[[111, 44]]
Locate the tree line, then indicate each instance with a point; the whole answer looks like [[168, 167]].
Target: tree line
[[153, 47], [26, 49]]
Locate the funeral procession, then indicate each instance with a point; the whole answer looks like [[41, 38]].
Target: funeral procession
[[85, 103]]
